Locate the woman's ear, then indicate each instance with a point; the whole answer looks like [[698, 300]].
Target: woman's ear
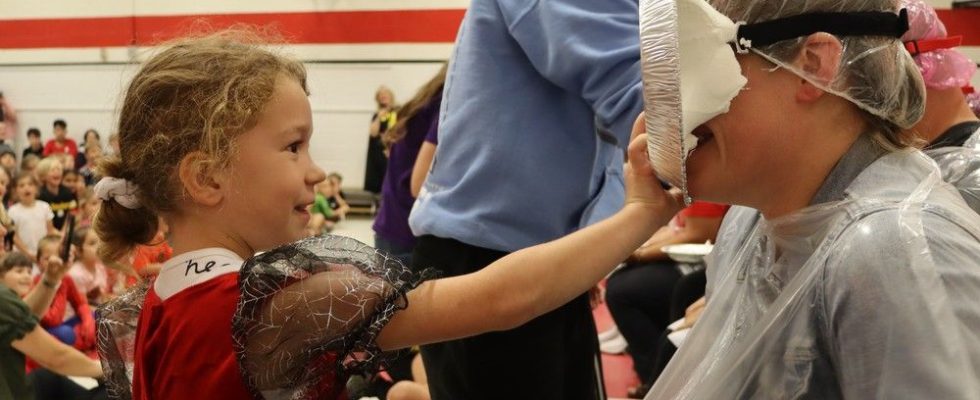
[[820, 60], [197, 175]]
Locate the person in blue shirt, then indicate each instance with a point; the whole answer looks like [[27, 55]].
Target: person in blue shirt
[[536, 111]]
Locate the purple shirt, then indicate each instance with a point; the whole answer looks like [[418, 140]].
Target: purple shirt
[[396, 194]]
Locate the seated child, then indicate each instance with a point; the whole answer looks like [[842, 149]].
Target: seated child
[[69, 318], [59, 197], [32, 217], [89, 273]]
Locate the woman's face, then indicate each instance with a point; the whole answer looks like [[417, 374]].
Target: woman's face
[[384, 97], [736, 150]]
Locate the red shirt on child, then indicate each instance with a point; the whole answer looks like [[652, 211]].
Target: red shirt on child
[[183, 346], [55, 147]]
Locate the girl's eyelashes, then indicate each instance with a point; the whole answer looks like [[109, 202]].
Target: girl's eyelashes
[[294, 147]]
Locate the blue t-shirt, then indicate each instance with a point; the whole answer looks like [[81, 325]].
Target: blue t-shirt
[[538, 105]]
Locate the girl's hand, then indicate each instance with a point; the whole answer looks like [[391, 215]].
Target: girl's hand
[[56, 268], [642, 185]]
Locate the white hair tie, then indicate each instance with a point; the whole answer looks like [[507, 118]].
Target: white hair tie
[[123, 191]]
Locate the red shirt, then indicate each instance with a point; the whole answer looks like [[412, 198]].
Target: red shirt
[[146, 255], [53, 147], [183, 347], [699, 209]]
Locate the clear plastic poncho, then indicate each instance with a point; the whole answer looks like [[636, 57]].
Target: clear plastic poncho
[[960, 167], [870, 295]]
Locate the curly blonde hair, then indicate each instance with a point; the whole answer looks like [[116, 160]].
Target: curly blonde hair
[[196, 95]]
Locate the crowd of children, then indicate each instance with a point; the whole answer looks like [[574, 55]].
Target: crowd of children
[[50, 184]]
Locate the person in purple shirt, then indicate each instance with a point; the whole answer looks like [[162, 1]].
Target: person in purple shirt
[[418, 120]]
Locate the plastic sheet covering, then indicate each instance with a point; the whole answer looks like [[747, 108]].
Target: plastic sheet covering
[[689, 76], [944, 68], [117, 340], [868, 297], [960, 167], [310, 312], [877, 74]]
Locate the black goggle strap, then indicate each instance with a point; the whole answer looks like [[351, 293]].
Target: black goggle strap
[[869, 23]]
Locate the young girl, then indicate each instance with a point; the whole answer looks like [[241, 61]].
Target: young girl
[[89, 273], [88, 206], [74, 326], [850, 270], [50, 172], [74, 182], [417, 118], [32, 217], [237, 179]]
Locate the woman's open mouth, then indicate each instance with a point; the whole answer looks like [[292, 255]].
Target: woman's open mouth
[[704, 134]]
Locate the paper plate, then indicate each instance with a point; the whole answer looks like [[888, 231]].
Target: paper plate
[[691, 253]]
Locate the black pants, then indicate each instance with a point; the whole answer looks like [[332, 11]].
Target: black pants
[[688, 290], [51, 386], [638, 296], [554, 356]]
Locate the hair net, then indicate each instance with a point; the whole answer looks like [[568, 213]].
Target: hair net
[[876, 73], [942, 66]]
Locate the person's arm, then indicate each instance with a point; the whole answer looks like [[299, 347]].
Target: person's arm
[[22, 248], [695, 230], [342, 206], [375, 128], [587, 47], [422, 165], [510, 292], [40, 346], [41, 296]]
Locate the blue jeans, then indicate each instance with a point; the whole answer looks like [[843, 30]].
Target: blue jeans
[[65, 333]]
